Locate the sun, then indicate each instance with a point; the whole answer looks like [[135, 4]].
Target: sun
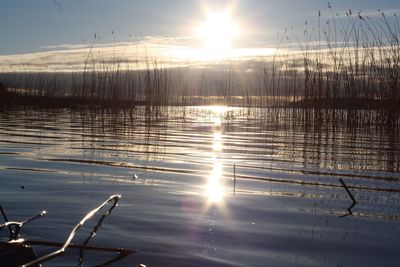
[[217, 31]]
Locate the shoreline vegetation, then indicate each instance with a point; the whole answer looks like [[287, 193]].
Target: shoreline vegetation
[[349, 61], [8, 99]]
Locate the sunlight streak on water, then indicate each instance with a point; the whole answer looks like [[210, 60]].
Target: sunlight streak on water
[[217, 121], [217, 144], [215, 189], [217, 109]]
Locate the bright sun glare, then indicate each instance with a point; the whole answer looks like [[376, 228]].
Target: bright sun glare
[[218, 31], [215, 182], [214, 189]]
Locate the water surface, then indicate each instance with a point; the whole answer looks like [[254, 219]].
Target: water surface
[[181, 205]]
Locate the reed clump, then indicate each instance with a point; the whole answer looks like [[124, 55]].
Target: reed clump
[[351, 61]]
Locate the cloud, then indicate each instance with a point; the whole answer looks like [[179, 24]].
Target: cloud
[[58, 5], [149, 51], [63, 46]]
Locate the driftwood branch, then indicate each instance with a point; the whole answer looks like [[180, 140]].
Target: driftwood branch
[[354, 202], [234, 179]]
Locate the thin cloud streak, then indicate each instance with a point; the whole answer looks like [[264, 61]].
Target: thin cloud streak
[[139, 54], [58, 5]]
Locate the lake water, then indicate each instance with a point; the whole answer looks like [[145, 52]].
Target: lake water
[[286, 206]]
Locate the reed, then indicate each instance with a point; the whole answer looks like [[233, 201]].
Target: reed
[[359, 70]]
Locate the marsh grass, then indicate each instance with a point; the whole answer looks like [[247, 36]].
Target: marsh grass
[[351, 62]]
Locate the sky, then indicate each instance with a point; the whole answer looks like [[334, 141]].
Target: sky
[[28, 27]]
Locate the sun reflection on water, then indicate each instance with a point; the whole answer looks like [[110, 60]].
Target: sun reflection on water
[[215, 189], [214, 186], [217, 121], [217, 144]]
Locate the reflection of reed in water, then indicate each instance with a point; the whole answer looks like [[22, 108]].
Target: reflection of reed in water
[[332, 139], [325, 140], [139, 130], [304, 149], [318, 139], [315, 147]]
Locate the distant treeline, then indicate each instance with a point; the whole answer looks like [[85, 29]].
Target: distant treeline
[[343, 61]]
